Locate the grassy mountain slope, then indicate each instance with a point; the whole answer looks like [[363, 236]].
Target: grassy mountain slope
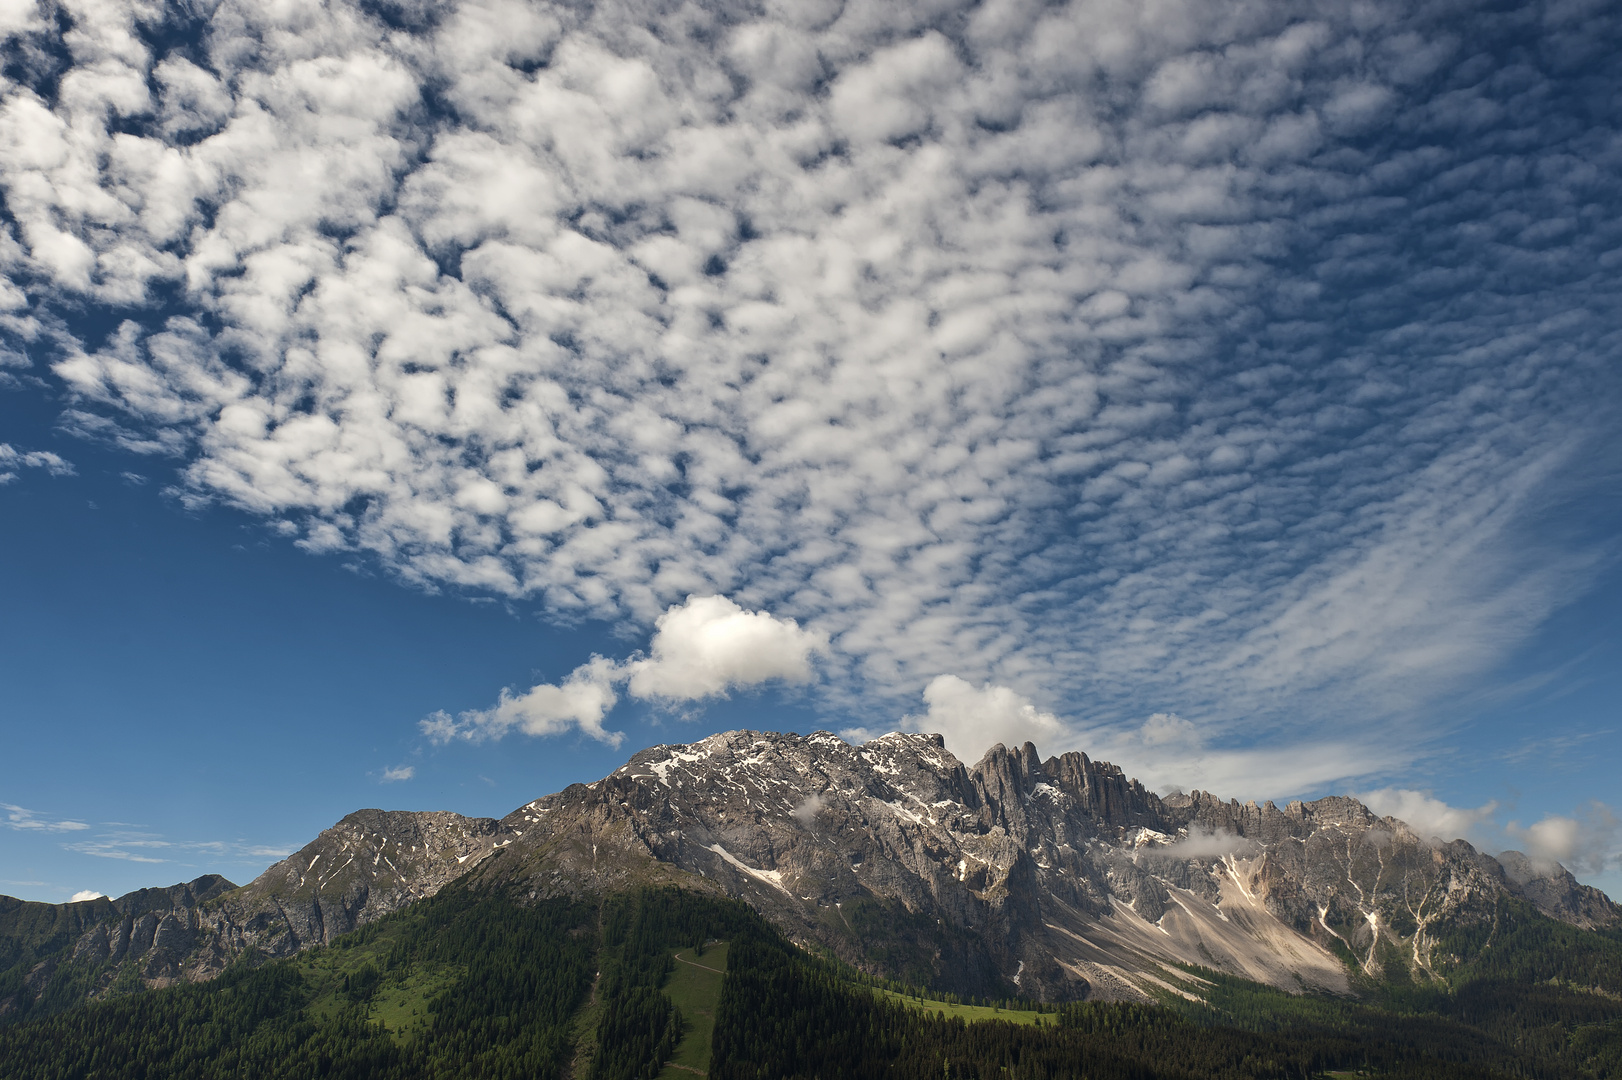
[[694, 987]]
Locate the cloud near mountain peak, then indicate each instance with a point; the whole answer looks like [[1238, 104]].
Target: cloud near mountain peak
[[701, 649]]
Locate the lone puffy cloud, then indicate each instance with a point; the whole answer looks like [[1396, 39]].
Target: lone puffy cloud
[[580, 702], [1429, 816], [972, 718], [702, 648], [709, 644]]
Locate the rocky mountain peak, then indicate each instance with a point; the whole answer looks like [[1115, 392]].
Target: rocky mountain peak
[[370, 863], [1061, 877], [188, 894], [1097, 789]]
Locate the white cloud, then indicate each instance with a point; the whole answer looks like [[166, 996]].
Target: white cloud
[[236, 849], [1169, 729], [1166, 752], [973, 719], [1203, 843], [581, 701], [85, 894], [135, 844], [12, 459], [702, 648], [26, 820], [18, 16], [1429, 816], [126, 846], [1169, 753], [1554, 837], [395, 773], [806, 813], [1587, 844], [891, 95], [1091, 351]]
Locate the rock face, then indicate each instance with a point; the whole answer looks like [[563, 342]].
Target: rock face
[[1552, 890], [157, 931], [1060, 878], [369, 864], [151, 932]]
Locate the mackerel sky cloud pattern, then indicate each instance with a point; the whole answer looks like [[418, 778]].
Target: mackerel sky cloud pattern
[[1141, 357]]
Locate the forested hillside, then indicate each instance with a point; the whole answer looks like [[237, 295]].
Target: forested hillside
[[480, 986]]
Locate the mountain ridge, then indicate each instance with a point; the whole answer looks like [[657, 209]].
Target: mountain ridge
[[1059, 878]]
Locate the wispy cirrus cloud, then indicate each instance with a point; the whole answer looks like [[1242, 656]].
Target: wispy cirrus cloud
[[130, 842], [1219, 363], [126, 845], [149, 847], [25, 820]]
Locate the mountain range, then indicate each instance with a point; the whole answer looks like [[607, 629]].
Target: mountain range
[[1056, 879]]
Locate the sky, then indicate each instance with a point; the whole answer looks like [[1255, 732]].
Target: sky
[[427, 405]]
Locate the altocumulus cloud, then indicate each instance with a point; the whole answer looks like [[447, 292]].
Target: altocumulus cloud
[[11, 459], [1210, 357]]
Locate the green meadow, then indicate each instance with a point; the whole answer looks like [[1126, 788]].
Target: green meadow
[[694, 987], [397, 1000], [969, 1013]]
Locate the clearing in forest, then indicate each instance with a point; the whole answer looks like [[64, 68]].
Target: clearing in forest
[[969, 1013], [694, 987]]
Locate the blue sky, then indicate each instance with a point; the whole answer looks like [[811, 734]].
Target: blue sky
[[428, 405]]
